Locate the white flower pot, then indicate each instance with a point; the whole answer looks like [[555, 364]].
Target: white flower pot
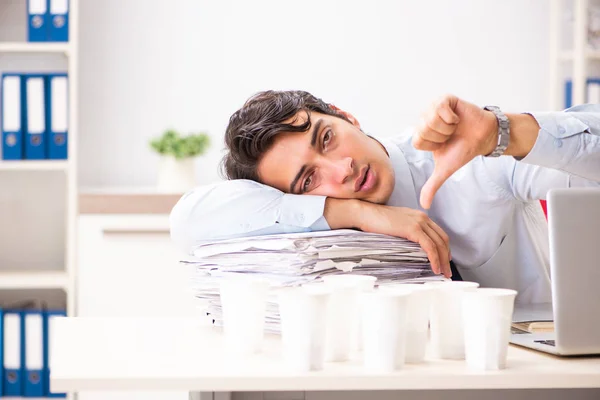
[[176, 176]]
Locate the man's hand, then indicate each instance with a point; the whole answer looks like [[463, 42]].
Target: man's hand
[[402, 222], [456, 132]]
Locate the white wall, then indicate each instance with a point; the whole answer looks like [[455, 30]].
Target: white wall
[[148, 65]]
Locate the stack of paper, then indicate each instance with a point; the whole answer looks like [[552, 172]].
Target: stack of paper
[[296, 259]]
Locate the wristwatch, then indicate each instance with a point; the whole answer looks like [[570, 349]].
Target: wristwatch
[[503, 131]]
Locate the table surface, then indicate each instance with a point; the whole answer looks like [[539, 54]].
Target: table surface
[[186, 354]]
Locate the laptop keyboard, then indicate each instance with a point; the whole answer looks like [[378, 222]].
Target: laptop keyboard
[[546, 342]]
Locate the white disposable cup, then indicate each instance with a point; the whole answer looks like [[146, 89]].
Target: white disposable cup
[[243, 300], [417, 323], [384, 329], [303, 313], [343, 316], [487, 315], [446, 321], [365, 283]]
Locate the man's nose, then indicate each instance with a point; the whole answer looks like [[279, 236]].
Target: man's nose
[[343, 170]]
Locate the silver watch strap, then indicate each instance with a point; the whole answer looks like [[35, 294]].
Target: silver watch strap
[[503, 131]]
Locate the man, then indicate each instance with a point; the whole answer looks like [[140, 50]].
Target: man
[[466, 186]]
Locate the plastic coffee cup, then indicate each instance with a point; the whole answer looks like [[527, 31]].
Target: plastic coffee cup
[[384, 316], [487, 315], [243, 300], [303, 312], [417, 322], [343, 316], [446, 320]]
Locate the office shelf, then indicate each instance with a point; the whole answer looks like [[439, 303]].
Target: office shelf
[[589, 55], [42, 165], [32, 279], [26, 47], [62, 276]]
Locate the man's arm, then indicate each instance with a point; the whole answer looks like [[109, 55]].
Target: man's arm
[[567, 141], [560, 150], [456, 131], [241, 208]]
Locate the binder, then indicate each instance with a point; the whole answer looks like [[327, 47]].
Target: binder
[[58, 28], [50, 316], [12, 116], [568, 94], [38, 17], [35, 120], [592, 91], [33, 346], [13, 353], [57, 116]]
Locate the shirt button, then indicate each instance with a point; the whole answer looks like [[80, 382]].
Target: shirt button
[[561, 129], [558, 142], [301, 217], [246, 225]]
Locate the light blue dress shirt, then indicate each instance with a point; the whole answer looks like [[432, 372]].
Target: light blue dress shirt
[[489, 208]]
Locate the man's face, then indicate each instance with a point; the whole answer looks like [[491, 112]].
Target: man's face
[[333, 158]]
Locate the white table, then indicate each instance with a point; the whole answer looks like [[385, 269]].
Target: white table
[[103, 354]]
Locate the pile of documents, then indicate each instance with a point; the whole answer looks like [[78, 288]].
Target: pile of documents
[[300, 258]]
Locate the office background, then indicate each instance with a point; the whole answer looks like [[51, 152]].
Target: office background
[[148, 65]]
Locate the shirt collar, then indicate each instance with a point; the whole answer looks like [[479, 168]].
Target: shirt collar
[[404, 194]]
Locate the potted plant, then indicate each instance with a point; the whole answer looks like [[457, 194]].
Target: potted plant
[[176, 171]]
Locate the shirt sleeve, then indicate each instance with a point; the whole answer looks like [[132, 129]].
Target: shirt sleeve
[[565, 154], [240, 208], [569, 141]]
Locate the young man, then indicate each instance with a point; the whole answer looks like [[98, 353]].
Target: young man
[[296, 163]]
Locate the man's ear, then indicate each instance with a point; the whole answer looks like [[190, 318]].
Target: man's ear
[[350, 117]]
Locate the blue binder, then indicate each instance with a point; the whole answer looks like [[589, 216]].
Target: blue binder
[[568, 94], [34, 350], [38, 17], [57, 116], [50, 314], [13, 353], [58, 30], [569, 90], [11, 116], [35, 120]]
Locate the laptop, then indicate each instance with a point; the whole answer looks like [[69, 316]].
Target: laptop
[[574, 227]]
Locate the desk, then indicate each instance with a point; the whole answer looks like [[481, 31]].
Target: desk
[[102, 354]]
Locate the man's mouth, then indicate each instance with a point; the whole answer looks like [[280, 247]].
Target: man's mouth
[[365, 181]]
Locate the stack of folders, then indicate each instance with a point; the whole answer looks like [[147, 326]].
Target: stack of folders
[[34, 116], [296, 259], [24, 343], [48, 20]]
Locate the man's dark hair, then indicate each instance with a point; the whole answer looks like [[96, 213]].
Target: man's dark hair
[[252, 128]]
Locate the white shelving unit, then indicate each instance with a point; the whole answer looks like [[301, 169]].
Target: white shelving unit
[[579, 55], [34, 280], [49, 165], [19, 47], [24, 281]]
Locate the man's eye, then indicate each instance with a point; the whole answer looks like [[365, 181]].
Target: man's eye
[[307, 183], [326, 138]]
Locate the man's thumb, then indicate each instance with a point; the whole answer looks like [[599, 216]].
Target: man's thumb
[[435, 181]]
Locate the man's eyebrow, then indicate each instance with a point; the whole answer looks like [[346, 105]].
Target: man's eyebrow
[[298, 176], [315, 133], [313, 142]]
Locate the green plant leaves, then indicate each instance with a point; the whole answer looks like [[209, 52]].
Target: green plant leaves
[[180, 147]]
